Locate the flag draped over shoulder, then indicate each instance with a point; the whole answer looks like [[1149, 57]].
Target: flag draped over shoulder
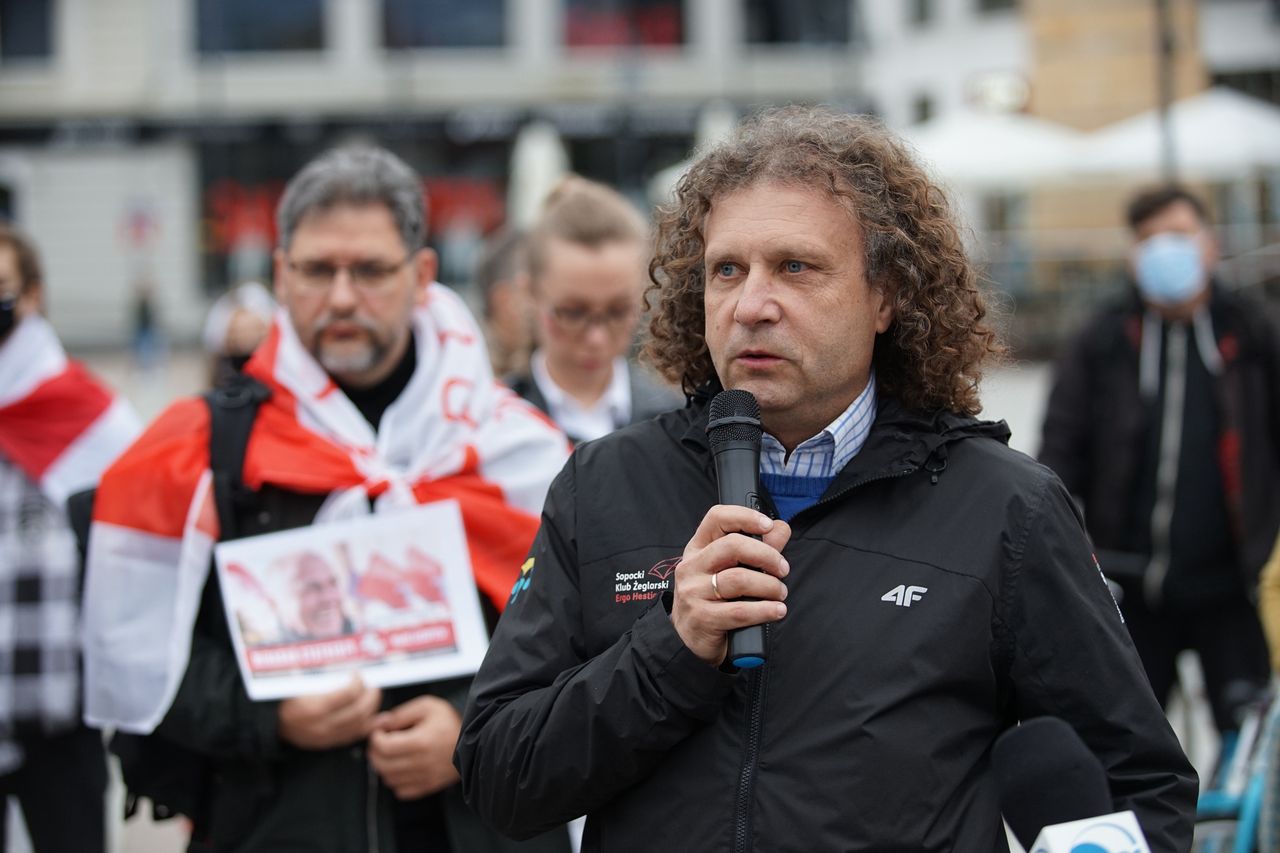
[[59, 429], [58, 423], [452, 434]]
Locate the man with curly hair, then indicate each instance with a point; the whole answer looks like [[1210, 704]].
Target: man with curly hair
[[923, 587]]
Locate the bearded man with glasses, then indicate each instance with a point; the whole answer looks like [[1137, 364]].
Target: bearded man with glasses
[[378, 396], [587, 255]]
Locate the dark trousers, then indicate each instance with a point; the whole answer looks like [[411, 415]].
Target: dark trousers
[[61, 787], [1228, 638]]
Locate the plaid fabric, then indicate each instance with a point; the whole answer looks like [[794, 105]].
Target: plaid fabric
[[39, 638], [825, 454]]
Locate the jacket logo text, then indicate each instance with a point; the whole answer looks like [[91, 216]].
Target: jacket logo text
[[903, 595]]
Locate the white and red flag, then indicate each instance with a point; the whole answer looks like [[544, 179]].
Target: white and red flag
[[58, 423], [454, 433]]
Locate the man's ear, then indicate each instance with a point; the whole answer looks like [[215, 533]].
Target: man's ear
[[1209, 251], [426, 266], [278, 286], [886, 310]]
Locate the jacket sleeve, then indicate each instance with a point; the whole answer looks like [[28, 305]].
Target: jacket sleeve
[[1069, 425], [211, 712], [1073, 659], [552, 732]]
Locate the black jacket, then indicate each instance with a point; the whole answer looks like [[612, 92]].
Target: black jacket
[[871, 725], [648, 398], [1096, 429], [265, 795]]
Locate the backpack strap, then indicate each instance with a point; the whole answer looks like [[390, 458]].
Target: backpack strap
[[232, 410], [80, 517]]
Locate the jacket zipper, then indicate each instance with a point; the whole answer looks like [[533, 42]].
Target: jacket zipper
[[755, 705], [371, 808], [755, 714]]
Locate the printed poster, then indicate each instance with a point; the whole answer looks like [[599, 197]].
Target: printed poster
[[390, 596]]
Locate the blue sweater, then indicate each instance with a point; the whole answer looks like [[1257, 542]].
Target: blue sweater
[[791, 493]]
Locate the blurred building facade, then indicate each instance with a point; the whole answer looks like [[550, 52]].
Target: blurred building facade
[[144, 142]]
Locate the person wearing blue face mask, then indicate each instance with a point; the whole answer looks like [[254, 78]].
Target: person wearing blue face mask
[[1169, 268], [1164, 423]]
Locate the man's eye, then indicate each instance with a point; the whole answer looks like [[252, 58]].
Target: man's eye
[[795, 266], [318, 270], [368, 272], [726, 270]]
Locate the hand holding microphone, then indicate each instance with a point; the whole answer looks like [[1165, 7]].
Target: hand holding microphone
[[713, 587], [728, 583]]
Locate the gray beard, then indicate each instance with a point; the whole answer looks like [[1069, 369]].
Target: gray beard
[[351, 361]]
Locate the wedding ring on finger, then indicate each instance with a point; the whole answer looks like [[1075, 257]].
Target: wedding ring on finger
[[715, 585]]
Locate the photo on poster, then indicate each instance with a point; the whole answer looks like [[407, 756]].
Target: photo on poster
[[390, 596]]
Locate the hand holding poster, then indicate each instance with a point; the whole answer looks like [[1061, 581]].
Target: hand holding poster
[[389, 596]]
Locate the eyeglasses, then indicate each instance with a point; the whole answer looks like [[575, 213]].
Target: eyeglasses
[[577, 321], [365, 275]]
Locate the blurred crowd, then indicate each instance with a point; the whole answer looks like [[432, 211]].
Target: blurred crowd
[[353, 366]]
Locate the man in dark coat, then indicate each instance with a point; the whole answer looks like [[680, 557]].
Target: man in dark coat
[[1164, 424], [922, 587]]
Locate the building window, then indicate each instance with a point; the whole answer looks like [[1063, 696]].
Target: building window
[[622, 23], [443, 23], [922, 109], [26, 29], [796, 22], [250, 26], [996, 5], [920, 12]]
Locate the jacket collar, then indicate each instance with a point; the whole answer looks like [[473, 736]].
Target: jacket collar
[[901, 440]]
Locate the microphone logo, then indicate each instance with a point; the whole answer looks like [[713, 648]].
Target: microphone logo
[[1101, 837]]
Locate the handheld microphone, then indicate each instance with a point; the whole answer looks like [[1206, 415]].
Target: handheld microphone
[[1054, 792], [734, 430]]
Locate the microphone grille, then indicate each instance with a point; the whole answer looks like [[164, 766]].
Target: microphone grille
[[734, 416]]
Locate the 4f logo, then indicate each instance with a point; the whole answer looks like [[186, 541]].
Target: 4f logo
[[903, 595]]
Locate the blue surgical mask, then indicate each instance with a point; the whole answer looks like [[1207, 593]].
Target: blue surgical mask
[[1169, 268]]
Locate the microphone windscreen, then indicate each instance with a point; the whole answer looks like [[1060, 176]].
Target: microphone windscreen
[[1046, 775], [734, 416]]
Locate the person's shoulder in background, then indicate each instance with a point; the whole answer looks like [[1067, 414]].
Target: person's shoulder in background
[[650, 396]]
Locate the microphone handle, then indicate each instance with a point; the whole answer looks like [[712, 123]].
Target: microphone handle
[[738, 479], [746, 645]]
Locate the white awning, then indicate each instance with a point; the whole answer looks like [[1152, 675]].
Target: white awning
[[1218, 134], [995, 150]]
